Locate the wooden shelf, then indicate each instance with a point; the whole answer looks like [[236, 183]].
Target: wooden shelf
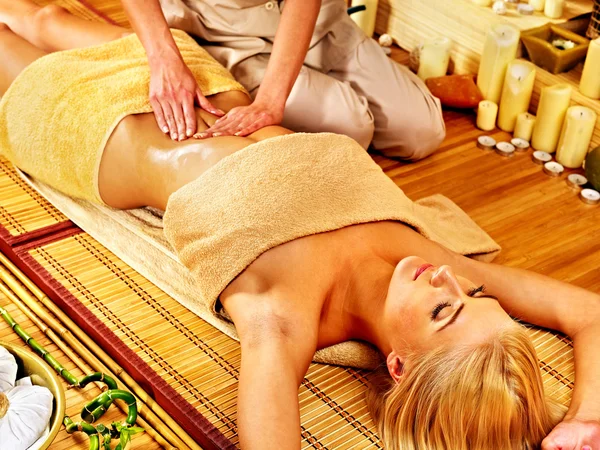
[[411, 22]]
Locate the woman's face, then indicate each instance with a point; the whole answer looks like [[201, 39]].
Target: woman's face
[[429, 306]]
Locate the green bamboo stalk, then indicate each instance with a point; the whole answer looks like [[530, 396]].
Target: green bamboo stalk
[[94, 409]]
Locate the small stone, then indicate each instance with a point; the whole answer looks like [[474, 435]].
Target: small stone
[[385, 40]]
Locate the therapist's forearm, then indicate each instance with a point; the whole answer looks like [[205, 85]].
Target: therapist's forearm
[[292, 39], [149, 23]]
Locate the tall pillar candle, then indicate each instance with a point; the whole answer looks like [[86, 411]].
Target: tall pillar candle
[[500, 48], [576, 136], [434, 58], [365, 19], [554, 8], [538, 5], [524, 126], [516, 93], [590, 78], [552, 108], [486, 115]]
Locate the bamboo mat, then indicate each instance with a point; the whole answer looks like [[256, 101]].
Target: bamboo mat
[[76, 398]]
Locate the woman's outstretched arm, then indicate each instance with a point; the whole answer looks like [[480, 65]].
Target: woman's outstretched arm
[[277, 348], [550, 303]]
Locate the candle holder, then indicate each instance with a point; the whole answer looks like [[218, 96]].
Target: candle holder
[[541, 51]]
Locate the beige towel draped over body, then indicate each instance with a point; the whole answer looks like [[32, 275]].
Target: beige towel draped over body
[[293, 186]]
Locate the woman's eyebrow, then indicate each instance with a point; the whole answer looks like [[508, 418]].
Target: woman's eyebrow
[[453, 318]]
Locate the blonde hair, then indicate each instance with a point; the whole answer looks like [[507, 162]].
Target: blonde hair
[[485, 397]]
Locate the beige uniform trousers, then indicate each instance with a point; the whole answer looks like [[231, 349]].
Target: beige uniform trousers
[[347, 84]]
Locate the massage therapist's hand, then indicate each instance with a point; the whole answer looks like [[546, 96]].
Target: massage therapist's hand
[[245, 120], [574, 434], [173, 92]]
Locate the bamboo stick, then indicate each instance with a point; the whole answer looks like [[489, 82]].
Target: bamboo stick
[[92, 353], [69, 353]]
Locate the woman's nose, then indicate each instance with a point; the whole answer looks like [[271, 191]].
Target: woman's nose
[[445, 277]]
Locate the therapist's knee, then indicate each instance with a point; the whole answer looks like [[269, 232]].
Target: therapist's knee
[[359, 125], [417, 138]]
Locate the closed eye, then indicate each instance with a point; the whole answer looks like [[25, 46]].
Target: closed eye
[[481, 289]]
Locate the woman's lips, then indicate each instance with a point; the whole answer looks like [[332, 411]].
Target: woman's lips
[[421, 269]]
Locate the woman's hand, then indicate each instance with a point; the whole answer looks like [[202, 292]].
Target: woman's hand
[[245, 120], [173, 90], [574, 434]]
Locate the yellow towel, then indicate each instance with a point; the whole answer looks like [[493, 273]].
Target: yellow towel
[[293, 186], [58, 114]]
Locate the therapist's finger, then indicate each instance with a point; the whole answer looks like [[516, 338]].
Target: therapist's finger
[[169, 117], [206, 105], [189, 114], [159, 116], [179, 121]]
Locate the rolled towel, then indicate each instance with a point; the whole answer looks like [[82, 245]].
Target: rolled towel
[[288, 187]]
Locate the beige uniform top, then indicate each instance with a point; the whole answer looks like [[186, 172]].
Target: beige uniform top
[[245, 29]]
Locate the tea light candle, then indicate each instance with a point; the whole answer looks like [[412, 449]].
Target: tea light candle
[[505, 149], [486, 142], [516, 93], [538, 5], [590, 78], [589, 196], [576, 181], [576, 136], [524, 126], [554, 8], [541, 158], [553, 169], [434, 59], [499, 7], [500, 48], [554, 102], [486, 115], [365, 19], [525, 9], [521, 145]]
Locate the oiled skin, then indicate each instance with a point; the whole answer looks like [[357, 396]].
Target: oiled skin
[[141, 166]]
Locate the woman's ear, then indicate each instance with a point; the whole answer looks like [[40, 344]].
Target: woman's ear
[[395, 366]]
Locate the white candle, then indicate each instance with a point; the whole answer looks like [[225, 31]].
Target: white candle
[[365, 19], [516, 93], [524, 126], [486, 115], [538, 5], [576, 136], [590, 78], [483, 2], [500, 48], [554, 8], [434, 58], [554, 102]]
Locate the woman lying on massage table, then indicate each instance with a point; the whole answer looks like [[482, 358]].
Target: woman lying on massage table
[[463, 374]]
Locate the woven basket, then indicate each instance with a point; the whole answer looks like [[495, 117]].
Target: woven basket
[[593, 31]]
